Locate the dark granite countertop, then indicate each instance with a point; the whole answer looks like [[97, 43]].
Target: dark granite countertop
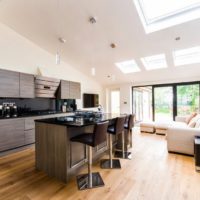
[[25, 115], [79, 121]]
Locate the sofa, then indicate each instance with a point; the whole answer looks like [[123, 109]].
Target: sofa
[[180, 137], [160, 128], [179, 133]]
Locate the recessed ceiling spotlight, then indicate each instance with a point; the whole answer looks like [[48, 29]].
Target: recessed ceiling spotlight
[[177, 38], [111, 77], [113, 45], [62, 40], [93, 20]]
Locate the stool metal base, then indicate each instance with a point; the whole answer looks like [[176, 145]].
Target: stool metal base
[[105, 164], [123, 155], [197, 168], [83, 181]]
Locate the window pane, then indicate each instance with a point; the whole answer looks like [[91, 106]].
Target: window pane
[[157, 9], [187, 99], [163, 103], [142, 103]]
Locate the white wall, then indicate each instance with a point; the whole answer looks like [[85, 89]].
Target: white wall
[[125, 98], [19, 54]]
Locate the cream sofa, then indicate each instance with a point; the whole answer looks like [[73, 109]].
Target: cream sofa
[[160, 128], [180, 137]]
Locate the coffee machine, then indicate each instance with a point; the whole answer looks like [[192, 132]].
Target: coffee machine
[[6, 110], [1, 110], [9, 110], [13, 110]]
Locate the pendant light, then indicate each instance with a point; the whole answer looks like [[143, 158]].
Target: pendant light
[[93, 71], [60, 39], [57, 58]]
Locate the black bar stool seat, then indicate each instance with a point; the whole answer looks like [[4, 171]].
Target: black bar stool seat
[[99, 135], [86, 138], [128, 125], [115, 129], [111, 130]]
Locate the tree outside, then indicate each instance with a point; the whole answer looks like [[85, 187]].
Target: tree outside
[[163, 103], [187, 99]]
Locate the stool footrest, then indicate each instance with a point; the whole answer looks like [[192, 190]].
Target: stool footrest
[[123, 155], [105, 164], [89, 181]]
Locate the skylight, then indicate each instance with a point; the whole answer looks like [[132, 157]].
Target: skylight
[[154, 62], [156, 14], [128, 66], [187, 56]]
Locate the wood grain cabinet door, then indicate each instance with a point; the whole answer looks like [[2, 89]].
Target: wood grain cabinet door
[[75, 90], [29, 136], [11, 133], [9, 83], [64, 89], [27, 86]]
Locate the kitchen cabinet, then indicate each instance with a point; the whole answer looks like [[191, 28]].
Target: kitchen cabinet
[[16, 85], [9, 83], [69, 90], [74, 90], [64, 91], [27, 86], [11, 133], [46, 87], [21, 85], [19, 132], [29, 126], [29, 130], [29, 136]]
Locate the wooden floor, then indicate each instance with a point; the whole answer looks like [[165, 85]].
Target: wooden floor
[[152, 174]]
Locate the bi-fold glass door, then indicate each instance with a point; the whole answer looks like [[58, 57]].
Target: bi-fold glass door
[[187, 99], [164, 102], [142, 103]]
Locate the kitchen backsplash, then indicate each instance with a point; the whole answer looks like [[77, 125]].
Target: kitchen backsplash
[[33, 104]]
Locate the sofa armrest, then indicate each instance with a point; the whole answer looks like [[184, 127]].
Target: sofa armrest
[[181, 118], [182, 131], [181, 140]]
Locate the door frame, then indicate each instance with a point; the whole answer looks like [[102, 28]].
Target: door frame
[[114, 90], [174, 102]]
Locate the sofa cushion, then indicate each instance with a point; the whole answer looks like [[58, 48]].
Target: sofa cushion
[[178, 124], [192, 124], [161, 125], [147, 124], [190, 117], [197, 125], [193, 121]]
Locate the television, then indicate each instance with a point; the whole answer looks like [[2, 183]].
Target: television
[[90, 100]]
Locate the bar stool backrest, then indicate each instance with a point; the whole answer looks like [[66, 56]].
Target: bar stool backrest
[[119, 125], [131, 121], [100, 133]]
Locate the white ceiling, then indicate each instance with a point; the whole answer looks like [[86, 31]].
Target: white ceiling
[[88, 45]]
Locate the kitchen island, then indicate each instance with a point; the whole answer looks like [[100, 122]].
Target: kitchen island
[[55, 154]]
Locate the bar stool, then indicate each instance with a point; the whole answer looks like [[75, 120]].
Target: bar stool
[[91, 180], [115, 129], [128, 125]]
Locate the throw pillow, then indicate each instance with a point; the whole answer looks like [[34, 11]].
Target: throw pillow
[[188, 119], [193, 121]]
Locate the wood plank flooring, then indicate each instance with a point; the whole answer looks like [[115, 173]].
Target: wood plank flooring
[[152, 174]]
